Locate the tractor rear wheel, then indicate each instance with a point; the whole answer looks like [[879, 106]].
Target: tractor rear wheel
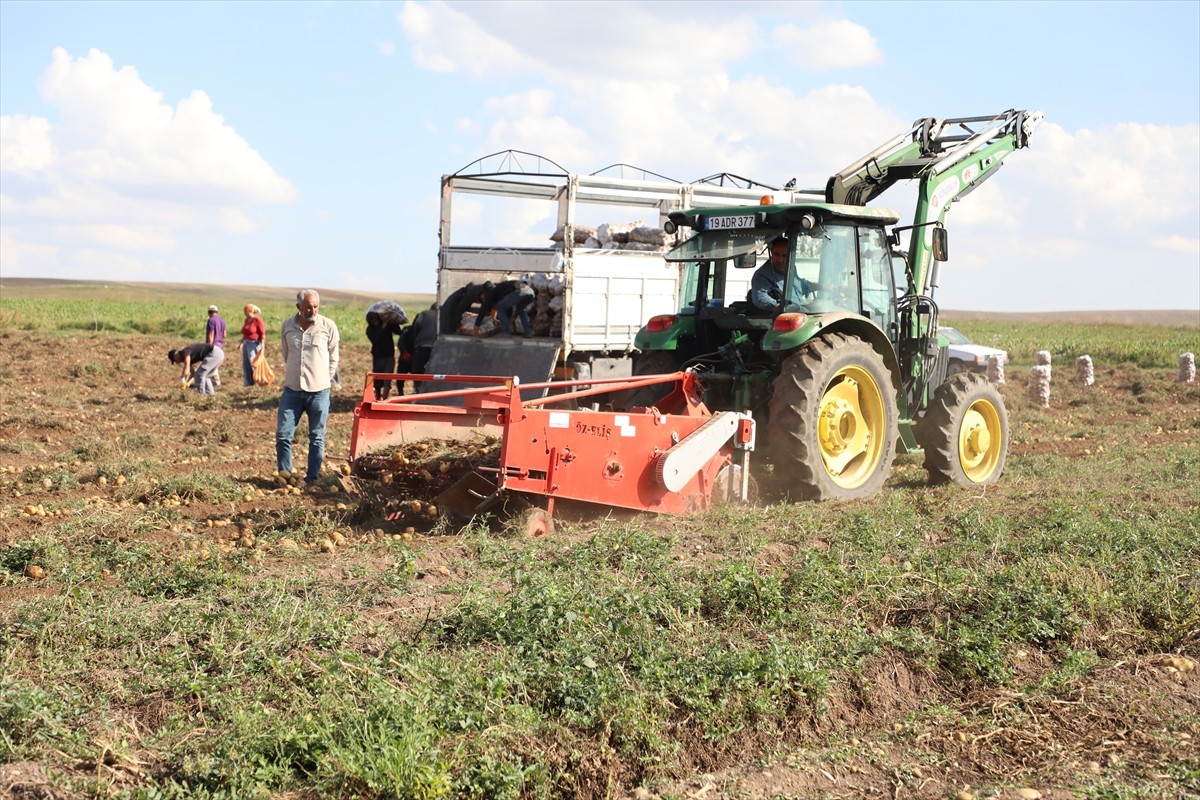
[[833, 421], [964, 432]]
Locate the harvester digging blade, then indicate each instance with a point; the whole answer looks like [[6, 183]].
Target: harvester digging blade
[[348, 485], [473, 494]]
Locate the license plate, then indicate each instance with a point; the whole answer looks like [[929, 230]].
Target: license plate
[[731, 222]]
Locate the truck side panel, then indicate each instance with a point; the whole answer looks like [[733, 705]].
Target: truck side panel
[[614, 293]]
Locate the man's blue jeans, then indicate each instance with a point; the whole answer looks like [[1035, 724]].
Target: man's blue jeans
[[292, 404]]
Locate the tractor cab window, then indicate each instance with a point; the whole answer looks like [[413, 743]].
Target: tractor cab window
[[718, 245], [715, 268], [875, 264], [832, 256]]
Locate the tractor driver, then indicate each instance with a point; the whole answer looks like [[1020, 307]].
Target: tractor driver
[[766, 286]]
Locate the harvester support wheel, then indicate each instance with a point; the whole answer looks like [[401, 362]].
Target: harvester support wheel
[[728, 484], [833, 421], [534, 522], [964, 432], [652, 362]]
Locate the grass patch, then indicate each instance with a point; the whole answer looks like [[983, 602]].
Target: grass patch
[[615, 654]]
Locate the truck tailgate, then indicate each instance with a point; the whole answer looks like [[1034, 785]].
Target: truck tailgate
[[532, 360]]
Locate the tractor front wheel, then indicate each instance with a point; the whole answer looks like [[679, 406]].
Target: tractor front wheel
[[964, 432], [833, 421]]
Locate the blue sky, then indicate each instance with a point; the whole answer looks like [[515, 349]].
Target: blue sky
[[301, 144]]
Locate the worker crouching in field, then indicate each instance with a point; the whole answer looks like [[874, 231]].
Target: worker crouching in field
[[200, 362]]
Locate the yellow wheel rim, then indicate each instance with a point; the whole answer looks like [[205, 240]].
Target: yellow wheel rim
[[850, 428], [980, 441]]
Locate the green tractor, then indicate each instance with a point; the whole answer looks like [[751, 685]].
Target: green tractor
[[832, 343]]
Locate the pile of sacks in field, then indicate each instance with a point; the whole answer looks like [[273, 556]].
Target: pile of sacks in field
[[619, 236]]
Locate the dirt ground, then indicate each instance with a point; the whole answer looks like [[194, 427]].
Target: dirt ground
[[64, 400]]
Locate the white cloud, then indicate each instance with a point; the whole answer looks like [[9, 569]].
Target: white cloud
[[1174, 243], [18, 256], [618, 39], [527, 122], [686, 95], [235, 221], [645, 84], [123, 171], [360, 282], [116, 130], [117, 237], [25, 146], [1081, 210], [827, 44], [445, 40], [649, 85], [417, 20], [1130, 179], [386, 48], [87, 263]]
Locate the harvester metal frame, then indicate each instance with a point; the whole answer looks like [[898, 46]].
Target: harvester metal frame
[[672, 457]]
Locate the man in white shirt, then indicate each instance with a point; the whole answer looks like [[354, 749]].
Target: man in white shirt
[[309, 347]]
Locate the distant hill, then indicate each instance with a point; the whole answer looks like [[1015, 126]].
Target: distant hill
[[236, 295], [1170, 318], [221, 294]]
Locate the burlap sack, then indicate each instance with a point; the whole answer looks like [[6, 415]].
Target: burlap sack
[[263, 374]]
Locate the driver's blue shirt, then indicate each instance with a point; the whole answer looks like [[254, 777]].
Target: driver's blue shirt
[[766, 286]]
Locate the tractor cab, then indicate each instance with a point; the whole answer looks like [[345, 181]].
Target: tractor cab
[[757, 276]]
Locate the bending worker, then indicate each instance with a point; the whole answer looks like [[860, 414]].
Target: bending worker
[[508, 297]]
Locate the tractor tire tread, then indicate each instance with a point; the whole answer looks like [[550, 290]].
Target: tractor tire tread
[[937, 430], [792, 441]]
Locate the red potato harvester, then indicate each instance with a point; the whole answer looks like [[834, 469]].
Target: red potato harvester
[[673, 457]]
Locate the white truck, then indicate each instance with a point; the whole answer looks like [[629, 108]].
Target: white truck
[[608, 289]]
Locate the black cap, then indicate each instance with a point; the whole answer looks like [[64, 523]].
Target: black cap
[[171, 356]]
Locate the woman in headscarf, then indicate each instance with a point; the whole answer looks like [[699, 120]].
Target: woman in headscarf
[[254, 333]]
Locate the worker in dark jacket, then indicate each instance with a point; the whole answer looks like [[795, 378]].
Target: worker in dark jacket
[[508, 297], [423, 333], [416, 344], [460, 301], [380, 330]]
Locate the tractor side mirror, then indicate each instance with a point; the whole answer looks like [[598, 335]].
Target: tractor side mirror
[[941, 245]]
